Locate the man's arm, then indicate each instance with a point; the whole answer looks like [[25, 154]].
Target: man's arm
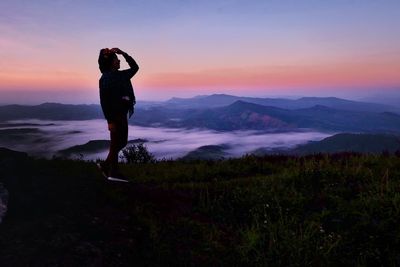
[[134, 67]]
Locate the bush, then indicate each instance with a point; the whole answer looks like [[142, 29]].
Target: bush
[[137, 153]]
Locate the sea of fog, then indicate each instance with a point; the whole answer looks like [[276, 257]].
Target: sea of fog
[[52, 136]]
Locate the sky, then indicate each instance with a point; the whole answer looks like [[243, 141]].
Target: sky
[[349, 49]]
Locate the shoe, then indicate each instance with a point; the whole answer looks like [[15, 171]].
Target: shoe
[[103, 167], [116, 176]]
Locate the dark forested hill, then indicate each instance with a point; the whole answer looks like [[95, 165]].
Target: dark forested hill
[[362, 143], [343, 142]]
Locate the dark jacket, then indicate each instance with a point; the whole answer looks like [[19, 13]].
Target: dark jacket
[[114, 86]]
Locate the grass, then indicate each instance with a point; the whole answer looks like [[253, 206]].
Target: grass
[[321, 210]]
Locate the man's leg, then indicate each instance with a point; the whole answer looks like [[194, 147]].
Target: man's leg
[[123, 133], [112, 158], [119, 138]]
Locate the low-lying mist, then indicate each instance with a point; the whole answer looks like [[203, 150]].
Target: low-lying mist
[[45, 138]]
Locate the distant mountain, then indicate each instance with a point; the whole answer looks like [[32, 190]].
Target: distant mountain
[[244, 116], [239, 115], [50, 111], [149, 115], [389, 98], [321, 117], [220, 100]]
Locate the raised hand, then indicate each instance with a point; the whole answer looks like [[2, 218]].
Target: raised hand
[[117, 50]]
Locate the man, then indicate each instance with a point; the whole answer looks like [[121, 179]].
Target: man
[[117, 101]]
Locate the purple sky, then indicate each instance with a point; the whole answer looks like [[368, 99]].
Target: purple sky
[[350, 49]]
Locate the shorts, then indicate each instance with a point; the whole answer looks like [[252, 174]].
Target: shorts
[[119, 131]]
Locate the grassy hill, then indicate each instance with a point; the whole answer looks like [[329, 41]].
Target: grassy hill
[[320, 210]]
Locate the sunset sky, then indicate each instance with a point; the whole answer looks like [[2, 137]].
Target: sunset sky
[[49, 49]]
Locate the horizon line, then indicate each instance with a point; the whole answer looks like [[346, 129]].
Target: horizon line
[[285, 97]]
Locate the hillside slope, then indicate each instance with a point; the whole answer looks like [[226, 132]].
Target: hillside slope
[[342, 142], [254, 211], [345, 142]]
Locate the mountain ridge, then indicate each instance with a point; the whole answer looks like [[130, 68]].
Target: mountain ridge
[[242, 115], [218, 100], [238, 115]]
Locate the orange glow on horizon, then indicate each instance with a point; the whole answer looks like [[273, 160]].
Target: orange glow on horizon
[[314, 76], [340, 75], [46, 81]]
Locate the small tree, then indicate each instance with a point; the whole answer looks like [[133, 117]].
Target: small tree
[[137, 153]]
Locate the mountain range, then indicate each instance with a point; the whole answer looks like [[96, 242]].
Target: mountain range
[[244, 116], [228, 113], [219, 100]]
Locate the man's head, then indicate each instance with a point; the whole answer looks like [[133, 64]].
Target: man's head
[[108, 60]]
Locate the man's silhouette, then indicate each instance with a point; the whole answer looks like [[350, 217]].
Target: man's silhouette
[[117, 101]]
